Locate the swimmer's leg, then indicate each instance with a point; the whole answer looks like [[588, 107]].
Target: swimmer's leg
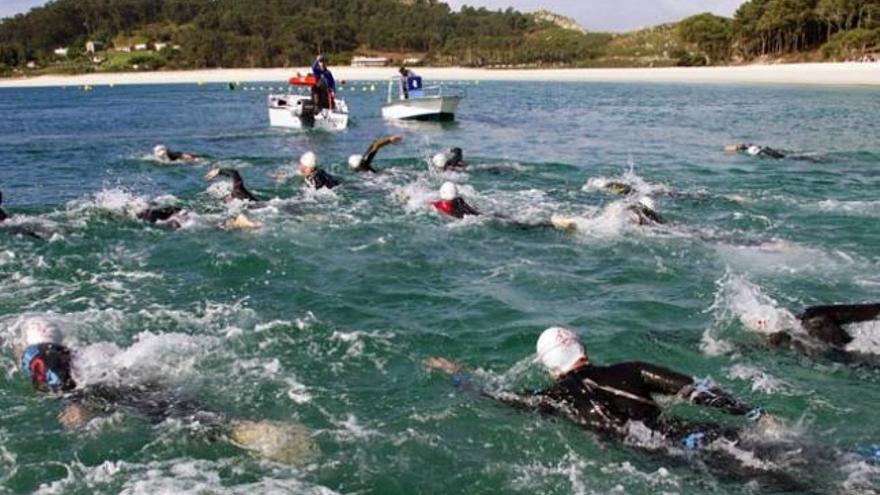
[[287, 442]]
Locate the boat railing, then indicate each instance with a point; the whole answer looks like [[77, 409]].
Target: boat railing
[[395, 91]]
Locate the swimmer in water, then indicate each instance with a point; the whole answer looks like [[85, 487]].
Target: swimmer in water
[[754, 150], [315, 177], [364, 163], [451, 203], [606, 398], [644, 212], [619, 188], [239, 191], [51, 367], [169, 215], [823, 325], [451, 159], [18, 230], [163, 154]]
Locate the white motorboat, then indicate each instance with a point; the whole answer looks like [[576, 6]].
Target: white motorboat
[[409, 100], [297, 111], [300, 112]]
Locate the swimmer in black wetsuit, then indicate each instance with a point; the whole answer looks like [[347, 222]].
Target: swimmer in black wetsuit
[[644, 212], [50, 366], [167, 214], [163, 154], [753, 150], [606, 398], [17, 230], [239, 191], [451, 159], [364, 163], [315, 177], [824, 326]]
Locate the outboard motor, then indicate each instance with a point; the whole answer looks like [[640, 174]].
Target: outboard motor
[[306, 111]]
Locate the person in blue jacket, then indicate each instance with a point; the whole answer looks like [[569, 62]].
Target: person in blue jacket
[[325, 83]]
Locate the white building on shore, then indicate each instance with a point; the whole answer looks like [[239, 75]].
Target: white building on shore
[[369, 62]]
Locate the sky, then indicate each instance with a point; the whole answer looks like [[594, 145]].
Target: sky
[[595, 15]]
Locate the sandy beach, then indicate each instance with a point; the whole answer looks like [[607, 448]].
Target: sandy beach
[[802, 74]]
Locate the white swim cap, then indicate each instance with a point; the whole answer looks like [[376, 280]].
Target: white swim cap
[[559, 350], [439, 160], [448, 191], [648, 203], [753, 150], [354, 161], [160, 151], [38, 330], [308, 160]]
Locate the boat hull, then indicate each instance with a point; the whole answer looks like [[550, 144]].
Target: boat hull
[[286, 111], [436, 108]]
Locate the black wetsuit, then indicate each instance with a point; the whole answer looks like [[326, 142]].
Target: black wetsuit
[[457, 208], [366, 164], [155, 215], [320, 179], [825, 324], [239, 191], [770, 153], [646, 216], [49, 368], [18, 229], [454, 159], [605, 398]]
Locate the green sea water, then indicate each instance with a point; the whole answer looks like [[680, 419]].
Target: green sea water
[[325, 314]]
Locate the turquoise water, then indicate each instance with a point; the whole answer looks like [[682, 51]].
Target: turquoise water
[[325, 314]]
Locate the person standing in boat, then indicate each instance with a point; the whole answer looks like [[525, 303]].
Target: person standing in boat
[[410, 83], [324, 91]]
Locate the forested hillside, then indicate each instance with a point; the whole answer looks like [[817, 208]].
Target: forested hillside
[[154, 34]]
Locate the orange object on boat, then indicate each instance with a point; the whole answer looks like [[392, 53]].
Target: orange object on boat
[[303, 81]]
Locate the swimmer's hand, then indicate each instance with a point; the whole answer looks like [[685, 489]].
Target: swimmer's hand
[[74, 416], [442, 364], [212, 174], [395, 139]]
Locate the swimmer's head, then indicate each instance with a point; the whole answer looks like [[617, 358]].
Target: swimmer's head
[[560, 351], [38, 330], [160, 152], [448, 191], [648, 203], [439, 161], [354, 161], [308, 162], [753, 150]]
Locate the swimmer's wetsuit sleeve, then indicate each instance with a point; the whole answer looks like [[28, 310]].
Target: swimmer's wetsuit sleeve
[[367, 160], [825, 322], [323, 179], [239, 191], [461, 209], [660, 380]]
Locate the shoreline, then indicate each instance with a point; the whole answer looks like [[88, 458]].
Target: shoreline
[[812, 74]]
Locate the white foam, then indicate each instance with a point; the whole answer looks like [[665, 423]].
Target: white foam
[[639, 185], [866, 337], [175, 476], [761, 380]]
